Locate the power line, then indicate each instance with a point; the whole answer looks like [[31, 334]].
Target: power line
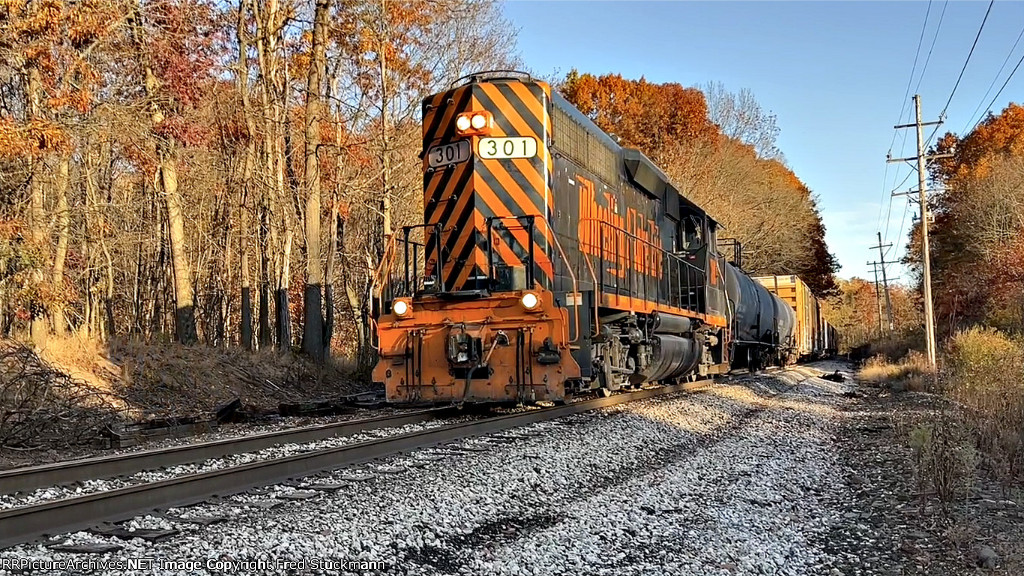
[[932, 47], [895, 188], [994, 98], [903, 108], [920, 42], [922, 190], [903, 221], [993, 83], [969, 54]]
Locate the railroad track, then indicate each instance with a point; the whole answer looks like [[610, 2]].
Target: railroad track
[[60, 473], [28, 523]]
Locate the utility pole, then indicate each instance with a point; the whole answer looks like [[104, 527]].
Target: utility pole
[[878, 298], [885, 281], [922, 183]]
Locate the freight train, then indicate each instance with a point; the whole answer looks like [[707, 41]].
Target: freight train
[[553, 261]]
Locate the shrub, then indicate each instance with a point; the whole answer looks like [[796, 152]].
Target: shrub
[[897, 346], [42, 407], [983, 372]]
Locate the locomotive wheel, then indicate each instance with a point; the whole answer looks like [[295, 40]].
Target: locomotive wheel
[[753, 360]]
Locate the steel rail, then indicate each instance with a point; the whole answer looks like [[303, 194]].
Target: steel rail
[[28, 523], [58, 473]]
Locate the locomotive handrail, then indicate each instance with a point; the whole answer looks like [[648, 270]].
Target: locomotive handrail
[[639, 239], [688, 274], [382, 276], [575, 285], [382, 267], [568, 266], [593, 276]]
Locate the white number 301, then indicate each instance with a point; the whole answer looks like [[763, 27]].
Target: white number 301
[[518, 147]]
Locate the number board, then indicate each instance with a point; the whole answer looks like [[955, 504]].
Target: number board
[[514, 147], [445, 154]]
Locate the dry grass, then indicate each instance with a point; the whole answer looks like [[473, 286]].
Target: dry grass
[[897, 347], [911, 372], [982, 427], [944, 457]]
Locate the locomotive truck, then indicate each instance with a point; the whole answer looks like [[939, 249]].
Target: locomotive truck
[[552, 261]]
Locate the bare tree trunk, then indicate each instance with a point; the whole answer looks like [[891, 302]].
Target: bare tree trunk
[[385, 141], [312, 337], [285, 200], [274, 112], [184, 312], [243, 255], [332, 254], [63, 237], [265, 334], [110, 328], [86, 328], [250, 159], [37, 217]]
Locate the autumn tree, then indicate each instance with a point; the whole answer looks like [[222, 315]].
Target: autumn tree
[[856, 309], [172, 50], [390, 54], [977, 270], [312, 339], [740, 117]]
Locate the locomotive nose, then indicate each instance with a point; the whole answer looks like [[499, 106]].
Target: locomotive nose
[[486, 168]]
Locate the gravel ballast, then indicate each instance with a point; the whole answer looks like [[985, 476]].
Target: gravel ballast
[[82, 488], [738, 479]]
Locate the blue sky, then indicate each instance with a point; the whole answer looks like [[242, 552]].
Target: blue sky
[[835, 74]]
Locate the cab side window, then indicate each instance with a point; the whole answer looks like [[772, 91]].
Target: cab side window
[[691, 230]]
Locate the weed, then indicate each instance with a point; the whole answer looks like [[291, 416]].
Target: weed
[[944, 457]]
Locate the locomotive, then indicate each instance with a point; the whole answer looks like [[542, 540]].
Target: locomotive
[[553, 261]]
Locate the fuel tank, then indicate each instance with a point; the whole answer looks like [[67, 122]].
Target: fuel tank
[[671, 356]]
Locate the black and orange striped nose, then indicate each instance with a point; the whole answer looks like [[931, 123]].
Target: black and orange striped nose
[[495, 175]]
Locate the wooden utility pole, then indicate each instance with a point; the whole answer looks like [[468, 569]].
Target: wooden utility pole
[[878, 298], [922, 187], [885, 281]]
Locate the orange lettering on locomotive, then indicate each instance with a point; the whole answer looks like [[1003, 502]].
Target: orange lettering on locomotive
[[627, 242]]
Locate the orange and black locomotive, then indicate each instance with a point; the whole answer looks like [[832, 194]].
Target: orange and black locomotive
[[551, 261]]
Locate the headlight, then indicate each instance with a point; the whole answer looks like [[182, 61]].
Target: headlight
[[462, 123], [400, 307], [479, 121], [530, 301]]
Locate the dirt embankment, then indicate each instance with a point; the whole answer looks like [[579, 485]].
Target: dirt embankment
[[69, 392]]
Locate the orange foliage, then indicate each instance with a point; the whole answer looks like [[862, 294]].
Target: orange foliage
[[976, 246], [1001, 135], [367, 32], [32, 138], [643, 115]]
